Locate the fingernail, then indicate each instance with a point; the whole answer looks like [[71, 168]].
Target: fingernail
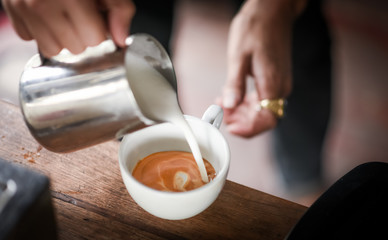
[[229, 100]]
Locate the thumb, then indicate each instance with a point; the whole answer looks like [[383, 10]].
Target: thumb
[[120, 13]]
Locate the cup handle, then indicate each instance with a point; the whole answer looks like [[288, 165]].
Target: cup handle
[[214, 115]]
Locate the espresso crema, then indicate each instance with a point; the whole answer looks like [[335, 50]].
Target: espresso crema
[[172, 171]]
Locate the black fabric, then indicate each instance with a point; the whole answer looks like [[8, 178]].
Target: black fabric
[[355, 207], [155, 18], [299, 137]]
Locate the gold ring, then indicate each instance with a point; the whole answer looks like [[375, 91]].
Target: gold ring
[[276, 106]]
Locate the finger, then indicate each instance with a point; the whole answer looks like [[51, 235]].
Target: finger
[[228, 117], [62, 28], [246, 121], [88, 21], [272, 72], [274, 85], [17, 22], [120, 14], [47, 43], [266, 79], [234, 88], [39, 31], [66, 34], [238, 68], [259, 124]]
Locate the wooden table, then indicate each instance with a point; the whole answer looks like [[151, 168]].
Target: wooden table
[[91, 201]]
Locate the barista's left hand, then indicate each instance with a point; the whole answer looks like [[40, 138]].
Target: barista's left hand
[[259, 46]]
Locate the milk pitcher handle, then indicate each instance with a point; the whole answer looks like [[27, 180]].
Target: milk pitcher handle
[[214, 115]]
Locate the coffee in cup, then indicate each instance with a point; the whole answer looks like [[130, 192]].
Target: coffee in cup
[[166, 137], [171, 171]]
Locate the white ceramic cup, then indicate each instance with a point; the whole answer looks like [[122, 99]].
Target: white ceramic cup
[[167, 137]]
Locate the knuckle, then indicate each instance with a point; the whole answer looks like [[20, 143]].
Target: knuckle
[[39, 6], [126, 6], [17, 4], [131, 8]]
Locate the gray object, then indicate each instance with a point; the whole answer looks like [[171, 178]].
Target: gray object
[[71, 102], [26, 210]]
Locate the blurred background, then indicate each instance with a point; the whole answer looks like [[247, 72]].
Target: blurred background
[[358, 130]]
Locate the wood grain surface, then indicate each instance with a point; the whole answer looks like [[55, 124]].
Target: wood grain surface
[[91, 201]]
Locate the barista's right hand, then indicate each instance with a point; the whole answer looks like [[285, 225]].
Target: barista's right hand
[[71, 24]]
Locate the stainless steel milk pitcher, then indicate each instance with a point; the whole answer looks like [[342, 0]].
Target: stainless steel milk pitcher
[[71, 102]]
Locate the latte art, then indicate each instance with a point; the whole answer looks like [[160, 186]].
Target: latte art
[[172, 171]]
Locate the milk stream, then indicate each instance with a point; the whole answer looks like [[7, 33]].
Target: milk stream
[[191, 140], [158, 101]]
